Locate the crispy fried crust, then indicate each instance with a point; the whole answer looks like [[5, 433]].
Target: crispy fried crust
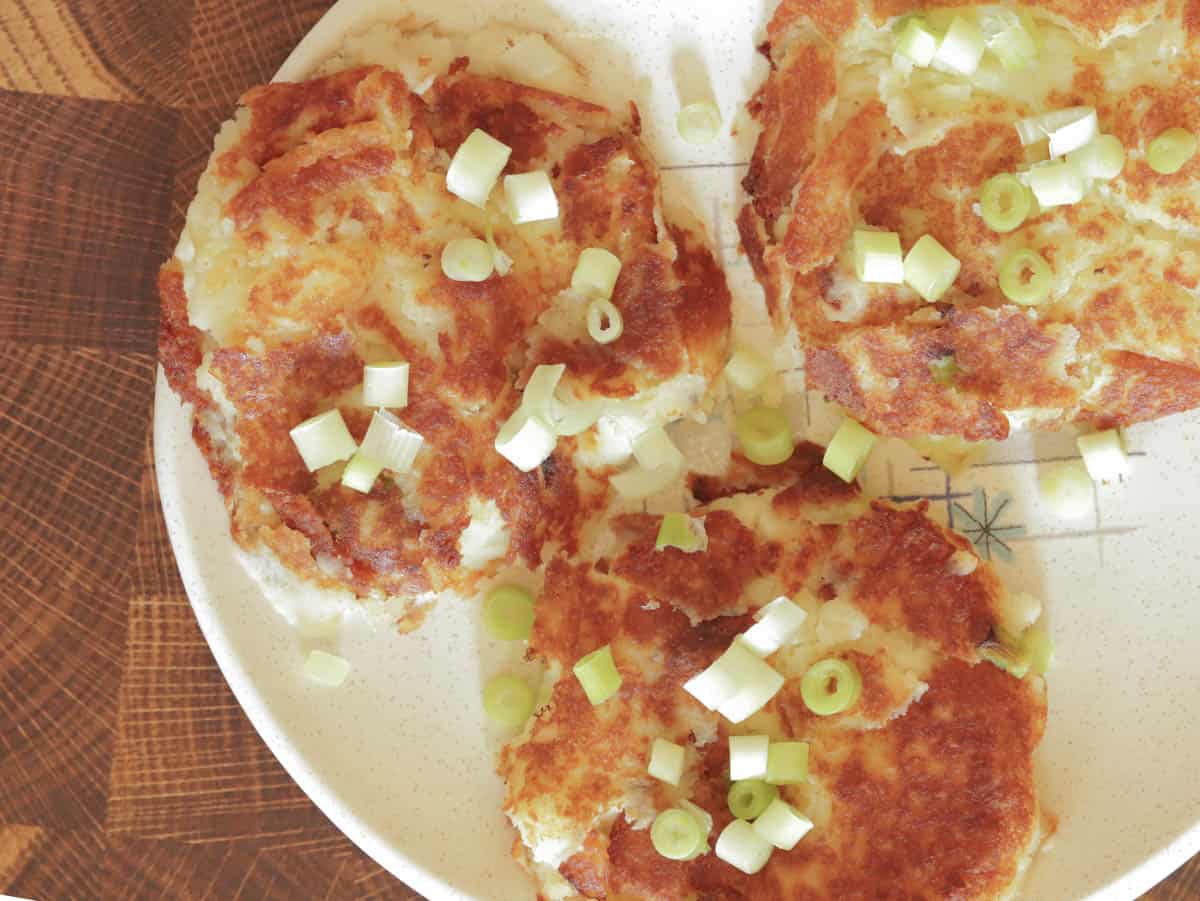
[[832, 112], [313, 247]]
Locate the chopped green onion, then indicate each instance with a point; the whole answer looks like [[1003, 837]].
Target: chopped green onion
[[680, 531], [1056, 183], [1170, 151], [508, 613], [538, 396], [877, 257], [604, 322], [324, 439], [638, 483], [654, 448], [766, 435], [746, 370], [699, 123], [477, 164], [962, 47], [1012, 660], [1076, 128], [1005, 202], [598, 675], [718, 683], [326, 669], [595, 273], [916, 41], [530, 197], [848, 450], [752, 696], [1068, 489], [1026, 278], [508, 700], [666, 761], [930, 269], [1104, 455], [676, 834], [1102, 158], [526, 440], [741, 847], [831, 686], [385, 384], [840, 621], [749, 797], [361, 472], [778, 623], [1008, 38], [787, 763], [502, 261], [467, 260], [780, 825], [945, 370], [391, 443], [577, 416], [748, 756], [1040, 649]]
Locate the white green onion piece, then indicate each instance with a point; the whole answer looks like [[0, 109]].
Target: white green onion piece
[[597, 674], [361, 472], [604, 321], [530, 197], [877, 257], [753, 696], [538, 396], [467, 260], [730, 672], [638, 483], [747, 369], [677, 835], [930, 269], [916, 41], [1011, 38], [961, 48], [390, 443], [1073, 132], [1056, 183], [848, 450], [323, 439], [1171, 150], [526, 440], [1004, 202], [781, 825], [699, 123], [508, 700], [765, 434], [703, 817], [508, 613], [779, 622], [1104, 455], [787, 763], [741, 847], [1102, 158], [576, 416], [666, 761], [748, 756], [326, 669], [502, 261], [654, 448], [683, 532], [475, 167], [1067, 489], [595, 273], [385, 384], [1039, 648]]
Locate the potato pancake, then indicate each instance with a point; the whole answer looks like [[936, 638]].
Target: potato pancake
[[923, 789], [313, 246], [856, 136]]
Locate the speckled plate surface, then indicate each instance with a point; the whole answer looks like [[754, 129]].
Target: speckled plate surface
[[400, 758]]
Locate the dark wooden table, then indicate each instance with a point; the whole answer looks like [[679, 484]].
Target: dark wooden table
[[127, 770]]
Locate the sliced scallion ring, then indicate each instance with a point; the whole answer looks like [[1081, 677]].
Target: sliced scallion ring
[[962, 47], [467, 260], [787, 763], [749, 797], [699, 123], [323, 439], [1102, 158], [1026, 278], [781, 825], [361, 472], [1171, 150], [530, 197], [604, 322], [598, 675], [917, 41], [666, 761], [1004, 202], [741, 847], [475, 167], [508, 700], [676, 834], [326, 669], [595, 273], [849, 450], [930, 269], [508, 613], [831, 686], [877, 257], [678, 530], [385, 384], [766, 435]]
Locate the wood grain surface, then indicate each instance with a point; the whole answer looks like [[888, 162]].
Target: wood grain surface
[[127, 769]]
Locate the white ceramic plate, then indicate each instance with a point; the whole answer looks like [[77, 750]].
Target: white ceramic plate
[[400, 759]]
